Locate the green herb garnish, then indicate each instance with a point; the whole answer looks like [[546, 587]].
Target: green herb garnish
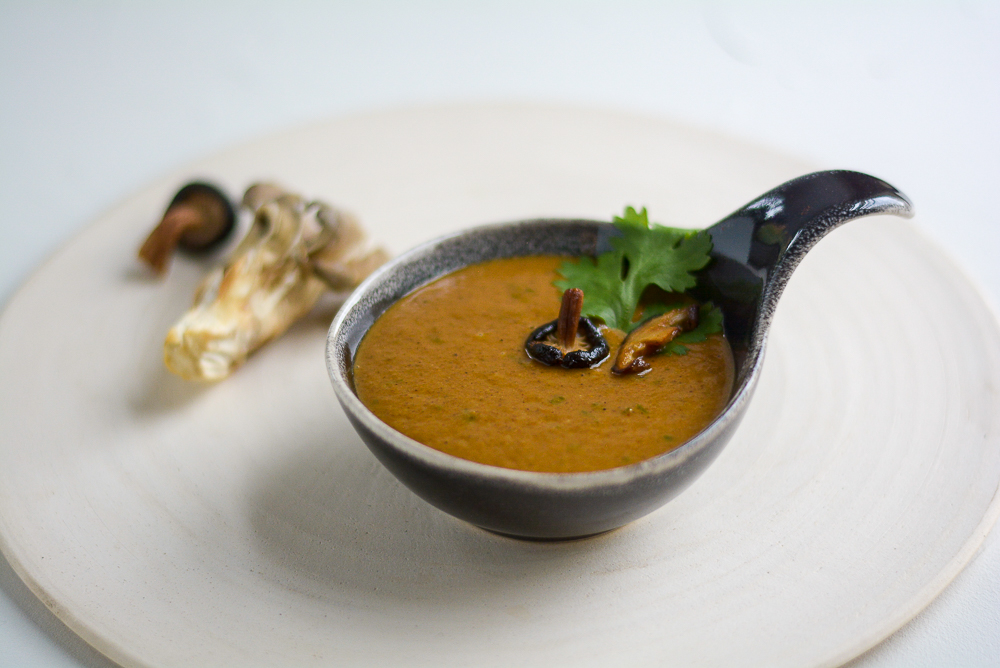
[[643, 255]]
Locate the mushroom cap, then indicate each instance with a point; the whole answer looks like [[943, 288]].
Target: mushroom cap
[[219, 216]]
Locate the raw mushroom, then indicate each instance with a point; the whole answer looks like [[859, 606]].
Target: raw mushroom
[[338, 252], [261, 193], [271, 281], [197, 218], [345, 260]]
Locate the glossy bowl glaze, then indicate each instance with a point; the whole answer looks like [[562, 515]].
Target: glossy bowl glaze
[[746, 276]]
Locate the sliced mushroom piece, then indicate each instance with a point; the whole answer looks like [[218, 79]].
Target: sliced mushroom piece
[[197, 218], [652, 335]]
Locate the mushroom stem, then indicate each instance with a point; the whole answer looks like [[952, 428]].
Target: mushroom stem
[[162, 241], [569, 318], [198, 217]]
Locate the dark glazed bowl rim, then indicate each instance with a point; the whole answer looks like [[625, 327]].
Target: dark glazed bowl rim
[[339, 360]]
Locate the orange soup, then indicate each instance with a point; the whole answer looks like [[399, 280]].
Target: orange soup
[[446, 366]]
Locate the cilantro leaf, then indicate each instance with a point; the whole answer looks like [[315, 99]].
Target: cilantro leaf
[[643, 255], [600, 282]]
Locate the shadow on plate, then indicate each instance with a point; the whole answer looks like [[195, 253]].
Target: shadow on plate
[[331, 521]]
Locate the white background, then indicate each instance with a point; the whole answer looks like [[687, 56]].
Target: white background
[[99, 98]]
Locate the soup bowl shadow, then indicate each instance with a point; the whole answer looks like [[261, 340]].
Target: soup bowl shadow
[[755, 250]]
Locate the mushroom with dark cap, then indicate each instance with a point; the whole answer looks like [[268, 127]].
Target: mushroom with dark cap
[[556, 343], [198, 217]]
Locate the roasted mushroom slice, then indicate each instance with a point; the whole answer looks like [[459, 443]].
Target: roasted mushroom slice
[[197, 218], [269, 283], [652, 335]]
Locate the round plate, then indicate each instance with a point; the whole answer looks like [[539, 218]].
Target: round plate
[[245, 523]]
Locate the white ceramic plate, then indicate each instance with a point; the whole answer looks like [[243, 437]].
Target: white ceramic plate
[[244, 524]]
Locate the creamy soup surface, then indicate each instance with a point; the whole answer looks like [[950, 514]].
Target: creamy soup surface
[[446, 366]]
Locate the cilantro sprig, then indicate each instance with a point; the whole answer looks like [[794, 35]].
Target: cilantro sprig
[[643, 255]]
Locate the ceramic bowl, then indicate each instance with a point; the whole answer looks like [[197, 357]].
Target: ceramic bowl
[[519, 503], [755, 250]]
